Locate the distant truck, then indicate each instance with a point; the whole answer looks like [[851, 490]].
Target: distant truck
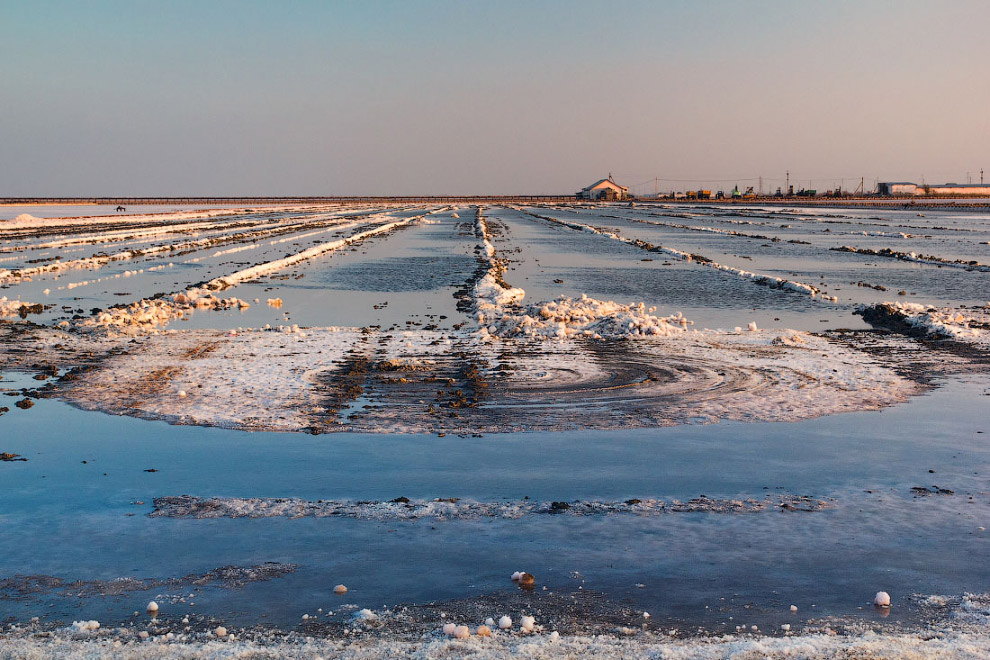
[[704, 194]]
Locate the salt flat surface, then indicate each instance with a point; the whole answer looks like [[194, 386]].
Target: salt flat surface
[[707, 413]]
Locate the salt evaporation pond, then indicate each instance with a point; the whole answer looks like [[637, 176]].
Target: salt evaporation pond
[[845, 462]]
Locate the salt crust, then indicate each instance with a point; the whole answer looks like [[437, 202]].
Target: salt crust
[[266, 380], [499, 310], [777, 282], [11, 307], [970, 325], [101, 260], [188, 506], [961, 633], [150, 314]]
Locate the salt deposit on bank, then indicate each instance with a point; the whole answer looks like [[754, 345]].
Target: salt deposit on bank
[[962, 632]]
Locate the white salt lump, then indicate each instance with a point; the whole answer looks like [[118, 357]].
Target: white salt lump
[[882, 599], [505, 623], [527, 623], [462, 632], [449, 628], [152, 606]]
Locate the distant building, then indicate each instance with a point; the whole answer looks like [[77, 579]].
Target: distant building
[[959, 189], [900, 188], [912, 189], [606, 189]]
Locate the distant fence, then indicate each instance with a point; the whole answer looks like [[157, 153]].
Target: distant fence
[[137, 201], [879, 202]]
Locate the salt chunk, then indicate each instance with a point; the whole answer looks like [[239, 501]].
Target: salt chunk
[[144, 634], [340, 589], [554, 636], [505, 623], [527, 623], [489, 622], [483, 631], [462, 632], [882, 599], [220, 631], [366, 615], [449, 628], [793, 608], [152, 606]]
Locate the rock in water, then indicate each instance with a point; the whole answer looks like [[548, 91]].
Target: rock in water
[[882, 599]]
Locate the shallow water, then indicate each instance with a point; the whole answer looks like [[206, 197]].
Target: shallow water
[[79, 520]]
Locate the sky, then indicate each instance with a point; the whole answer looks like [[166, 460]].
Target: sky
[[242, 97]]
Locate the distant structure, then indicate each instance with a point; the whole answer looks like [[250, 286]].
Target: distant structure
[[606, 189], [898, 188], [905, 189]]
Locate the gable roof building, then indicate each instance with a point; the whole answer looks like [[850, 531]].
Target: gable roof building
[[606, 189]]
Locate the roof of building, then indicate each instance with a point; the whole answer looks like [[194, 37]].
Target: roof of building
[[601, 181]]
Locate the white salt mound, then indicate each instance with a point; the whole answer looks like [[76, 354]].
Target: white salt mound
[[85, 626], [505, 623], [449, 628], [882, 599], [152, 606], [462, 632], [527, 623], [220, 631], [366, 615]]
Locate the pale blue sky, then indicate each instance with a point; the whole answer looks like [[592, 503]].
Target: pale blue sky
[[239, 97]]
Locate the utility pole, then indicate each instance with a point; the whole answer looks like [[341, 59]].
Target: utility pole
[[761, 186], [787, 186], [656, 187]]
